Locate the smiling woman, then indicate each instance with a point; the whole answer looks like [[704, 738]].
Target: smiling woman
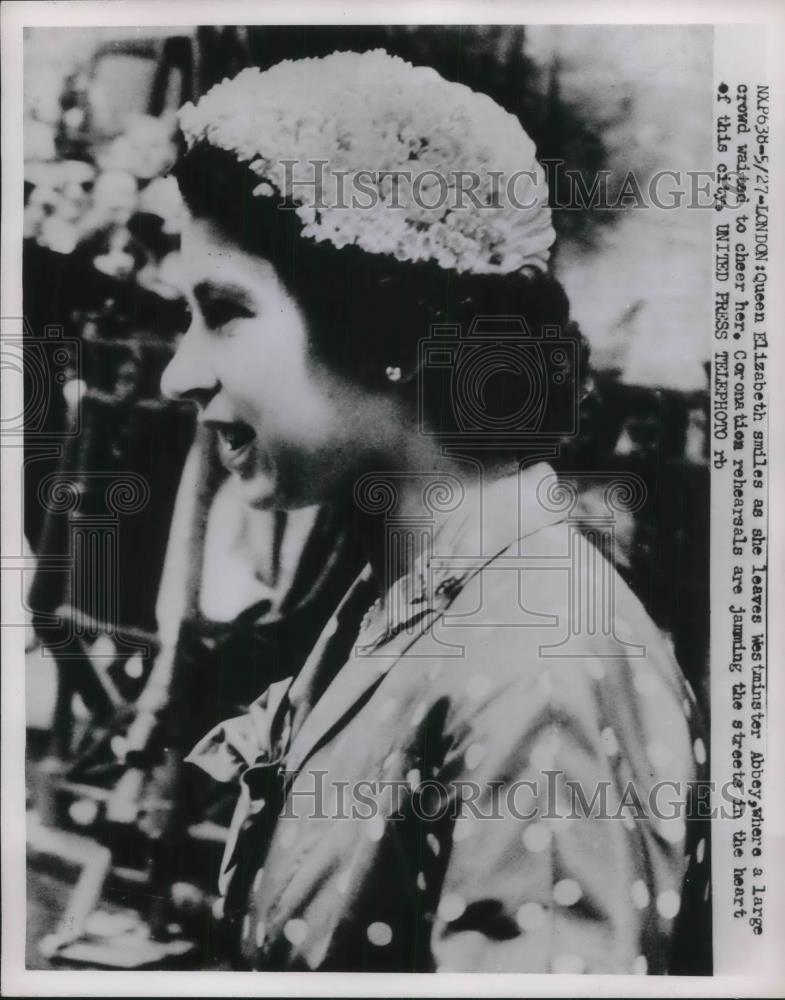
[[418, 367], [293, 430]]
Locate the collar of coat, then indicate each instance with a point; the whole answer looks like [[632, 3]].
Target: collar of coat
[[477, 525], [488, 520]]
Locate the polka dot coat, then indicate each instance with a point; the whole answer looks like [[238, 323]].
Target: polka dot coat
[[497, 776]]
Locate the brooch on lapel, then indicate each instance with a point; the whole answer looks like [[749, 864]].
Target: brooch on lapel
[[450, 587]]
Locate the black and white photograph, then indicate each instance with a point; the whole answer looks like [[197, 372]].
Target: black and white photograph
[[386, 478]]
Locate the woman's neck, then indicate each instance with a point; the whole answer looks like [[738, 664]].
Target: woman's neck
[[410, 489], [405, 501]]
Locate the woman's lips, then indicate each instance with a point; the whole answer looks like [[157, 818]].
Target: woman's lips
[[235, 445]]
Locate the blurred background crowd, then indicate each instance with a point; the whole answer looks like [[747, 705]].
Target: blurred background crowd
[[159, 605]]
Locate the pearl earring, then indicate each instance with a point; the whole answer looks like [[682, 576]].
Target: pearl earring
[[393, 373]]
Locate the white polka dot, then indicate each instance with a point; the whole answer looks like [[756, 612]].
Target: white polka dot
[[260, 932], [419, 713], [84, 811], [374, 828], [673, 830], [246, 926], [668, 904], [567, 892], [342, 882], [387, 708], [421, 884], [530, 916], [288, 834], [103, 648], [295, 931], [451, 908], [568, 964], [536, 837], [478, 685], [609, 741], [640, 966], [640, 894], [659, 754], [475, 754], [461, 830], [414, 778], [594, 668], [629, 822], [646, 682], [135, 667], [257, 880], [700, 852], [700, 751], [256, 806], [433, 843], [218, 908], [379, 933]]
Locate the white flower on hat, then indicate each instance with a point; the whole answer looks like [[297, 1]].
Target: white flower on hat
[[364, 115]]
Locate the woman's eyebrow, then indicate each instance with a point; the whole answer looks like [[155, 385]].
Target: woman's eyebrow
[[208, 291]]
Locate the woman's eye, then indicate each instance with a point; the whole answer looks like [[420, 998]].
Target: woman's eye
[[219, 312], [183, 317]]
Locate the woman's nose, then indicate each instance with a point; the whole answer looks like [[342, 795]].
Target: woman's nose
[[189, 374]]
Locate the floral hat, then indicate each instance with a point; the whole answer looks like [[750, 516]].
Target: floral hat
[[373, 151]]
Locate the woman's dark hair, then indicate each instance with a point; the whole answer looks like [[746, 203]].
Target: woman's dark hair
[[369, 312]]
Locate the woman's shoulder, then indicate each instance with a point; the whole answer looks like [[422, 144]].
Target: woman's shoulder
[[554, 580], [551, 613]]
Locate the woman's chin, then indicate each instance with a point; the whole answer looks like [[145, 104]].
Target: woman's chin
[[257, 488], [255, 475], [259, 491]]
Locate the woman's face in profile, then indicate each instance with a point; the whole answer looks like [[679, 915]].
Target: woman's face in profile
[[287, 429]]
